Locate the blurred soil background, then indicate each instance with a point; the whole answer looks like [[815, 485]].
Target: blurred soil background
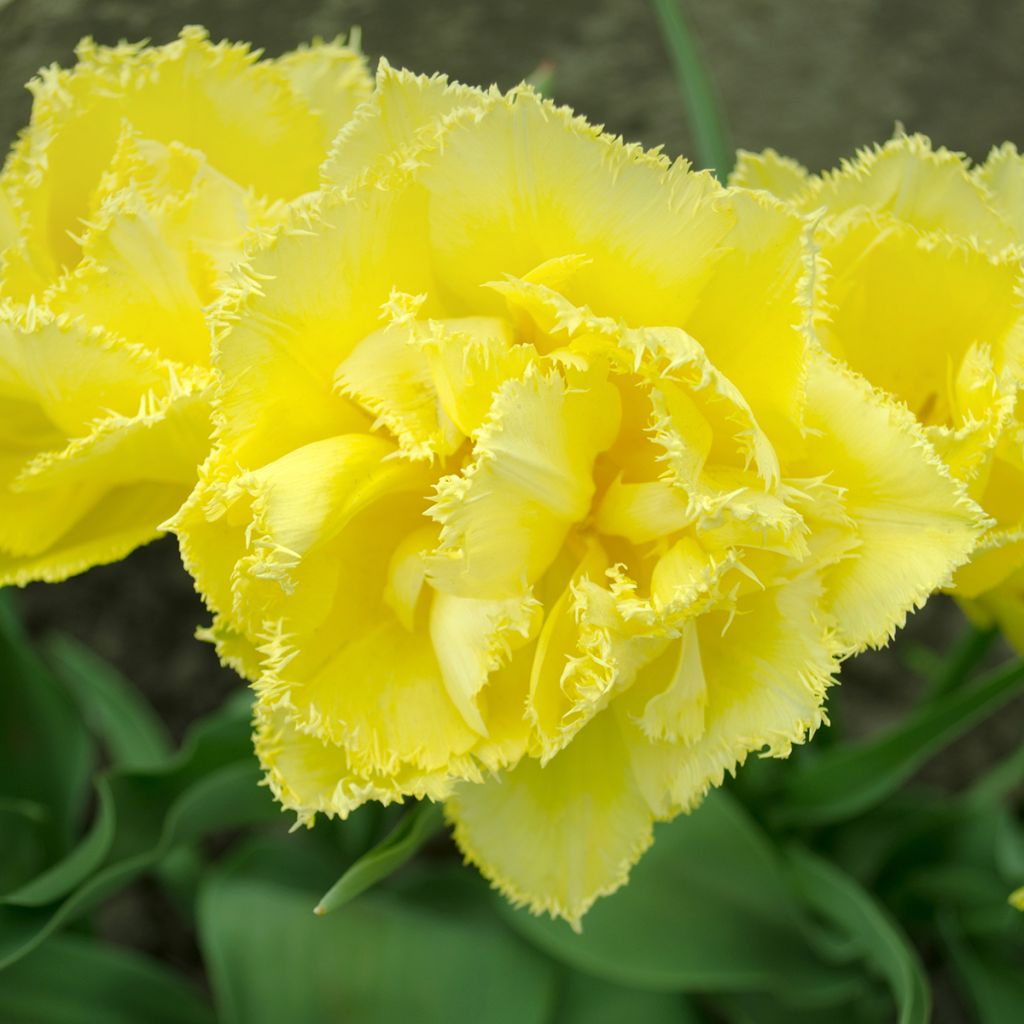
[[813, 78]]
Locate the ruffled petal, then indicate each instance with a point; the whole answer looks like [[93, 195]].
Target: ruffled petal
[[505, 517], [754, 680], [310, 775], [913, 522], [524, 182], [782, 176], [558, 837], [243, 114], [406, 114], [307, 301], [333, 80], [896, 296], [105, 532], [930, 189]]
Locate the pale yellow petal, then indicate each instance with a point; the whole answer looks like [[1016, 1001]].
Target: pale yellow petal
[[311, 298], [782, 176], [504, 519], [241, 113], [405, 114], [558, 837], [526, 183], [106, 532], [763, 673], [388, 375], [930, 189], [905, 309], [311, 776], [332, 78], [914, 524], [474, 638], [1002, 175]]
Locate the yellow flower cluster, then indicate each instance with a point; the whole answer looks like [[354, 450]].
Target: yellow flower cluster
[[143, 174], [533, 490], [548, 478], [922, 291]]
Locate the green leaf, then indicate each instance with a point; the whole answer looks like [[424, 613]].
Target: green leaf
[[706, 122], [709, 908], [588, 1000], [46, 754], [418, 825], [114, 710], [79, 981], [847, 780], [434, 955], [957, 666], [999, 782], [60, 878], [210, 785], [992, 983], [839, 899]]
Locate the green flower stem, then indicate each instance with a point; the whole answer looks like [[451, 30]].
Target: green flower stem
[[709, 133]]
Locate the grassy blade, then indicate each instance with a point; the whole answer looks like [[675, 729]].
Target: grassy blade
[[212, 783], [969, 651]]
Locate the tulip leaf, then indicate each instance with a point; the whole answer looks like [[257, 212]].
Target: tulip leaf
[[839, 899], [585, 999], [72, 980], [113, 709], [46, 754], [708, 908], [432, 954], [418, 825], [990, 981], [210, 785], [59, 879], [848, 780]]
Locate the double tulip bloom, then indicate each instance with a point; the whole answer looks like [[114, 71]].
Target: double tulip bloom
[[132, 193], [922, 292], [541, 481]]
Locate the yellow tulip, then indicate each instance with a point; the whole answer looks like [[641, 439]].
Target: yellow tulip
[[124, 205], [534, 492], [923, 293]]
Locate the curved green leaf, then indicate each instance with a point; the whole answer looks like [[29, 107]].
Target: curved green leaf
[[709, 908], [211, 784], [839, 899], [133, 735], [847, 780], [384, 959], [46, 754], [419, 824], [80, 981]]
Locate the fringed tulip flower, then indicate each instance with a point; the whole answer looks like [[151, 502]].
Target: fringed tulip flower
[[534, 492], [142, 175], [921, 291]]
